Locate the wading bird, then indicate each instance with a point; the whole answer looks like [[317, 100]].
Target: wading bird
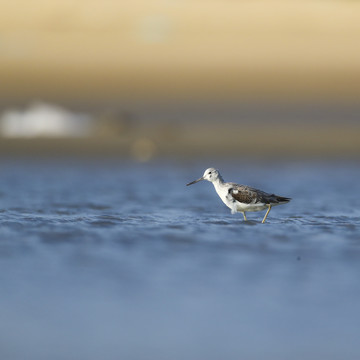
[[241, 198]]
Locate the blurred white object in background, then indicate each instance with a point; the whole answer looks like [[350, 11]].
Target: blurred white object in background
[[44, 120]]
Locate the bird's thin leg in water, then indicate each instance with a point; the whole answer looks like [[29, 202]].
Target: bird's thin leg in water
[[267, 213], [244, 216]]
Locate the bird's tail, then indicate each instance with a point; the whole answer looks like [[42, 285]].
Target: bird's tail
[[282, 199]]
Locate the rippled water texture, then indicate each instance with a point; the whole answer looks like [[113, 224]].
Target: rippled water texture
[[123, 261]]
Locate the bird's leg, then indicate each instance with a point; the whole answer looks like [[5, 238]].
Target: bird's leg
[[267, 213], [244, 216]]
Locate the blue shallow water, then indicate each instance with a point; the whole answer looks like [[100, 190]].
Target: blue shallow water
[[122, 261]]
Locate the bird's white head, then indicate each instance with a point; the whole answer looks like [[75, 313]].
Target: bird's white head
[[210, 174]]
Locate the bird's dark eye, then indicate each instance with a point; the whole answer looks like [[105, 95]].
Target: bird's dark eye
[[209, 172]]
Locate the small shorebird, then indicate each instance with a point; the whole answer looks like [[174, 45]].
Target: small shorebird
[[241, 198]]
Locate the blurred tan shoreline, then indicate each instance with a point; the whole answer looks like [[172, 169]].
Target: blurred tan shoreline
[[148, 54], [189, 50]]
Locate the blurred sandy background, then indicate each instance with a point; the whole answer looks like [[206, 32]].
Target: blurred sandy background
[[150, 78]]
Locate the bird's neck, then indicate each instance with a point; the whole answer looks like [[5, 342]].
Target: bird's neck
[[218, 182], [220, 188]]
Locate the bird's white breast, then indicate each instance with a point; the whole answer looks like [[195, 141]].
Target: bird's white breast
[[223, 193]]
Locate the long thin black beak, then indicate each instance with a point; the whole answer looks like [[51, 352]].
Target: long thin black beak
[[195, 181]]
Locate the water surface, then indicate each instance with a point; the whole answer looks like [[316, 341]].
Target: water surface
[[122, 261]]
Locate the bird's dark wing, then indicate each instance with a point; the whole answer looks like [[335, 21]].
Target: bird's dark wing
[[245, 194], [248, 195]]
